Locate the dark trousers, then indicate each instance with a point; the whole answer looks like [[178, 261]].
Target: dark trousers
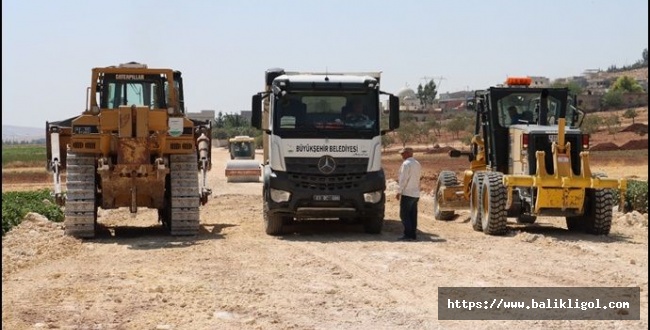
[[408, 212]]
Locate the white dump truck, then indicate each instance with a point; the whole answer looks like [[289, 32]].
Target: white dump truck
[[322, 147]]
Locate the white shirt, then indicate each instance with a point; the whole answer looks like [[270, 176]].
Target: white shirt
[[409, 178]]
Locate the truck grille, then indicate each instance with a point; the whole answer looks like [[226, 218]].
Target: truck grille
[[349, 173]]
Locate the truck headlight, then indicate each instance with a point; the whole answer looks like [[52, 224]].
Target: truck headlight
[[372, 197], [280, 196]]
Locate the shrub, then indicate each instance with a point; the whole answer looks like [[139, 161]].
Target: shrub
[[636, 196], [591, 124], [15, 205]]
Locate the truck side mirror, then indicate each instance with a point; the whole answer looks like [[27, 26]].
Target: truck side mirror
[[256, 115], [393, 116]]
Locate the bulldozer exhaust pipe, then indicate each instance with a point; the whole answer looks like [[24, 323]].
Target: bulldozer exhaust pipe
[[55, 165], [204, 144]]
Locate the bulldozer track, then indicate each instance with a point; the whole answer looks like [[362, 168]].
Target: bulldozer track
[[185, 196], [81, 206]]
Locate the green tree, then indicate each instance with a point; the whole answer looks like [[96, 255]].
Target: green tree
[[235, 120], [431, 139], [427, 93], [626, 84], [218, 122], [387, 140], [458, 124], [613, 123], [574, 88], [407, 131], [432, 123], [630, 114], [612, 99], [422, 133], [220, 133], [591, 124]]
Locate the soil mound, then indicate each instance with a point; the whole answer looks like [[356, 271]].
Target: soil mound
[[637, 128], [607, 146], [439, 150], [635, 145]]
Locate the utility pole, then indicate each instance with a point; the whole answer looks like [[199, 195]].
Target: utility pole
[[440, 79]]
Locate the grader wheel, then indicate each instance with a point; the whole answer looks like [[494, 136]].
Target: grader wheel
[[445, 179], [494, 213], [475, 200]]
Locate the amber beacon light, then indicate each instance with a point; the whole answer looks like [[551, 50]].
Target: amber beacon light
[[518, 81]]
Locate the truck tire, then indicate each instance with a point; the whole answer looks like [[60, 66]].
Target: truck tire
[[598, 212], [184, 196], [494, 215], [445, 179], [81, 204], [575, 223], [475, 199], [273, 223], [374, 224]]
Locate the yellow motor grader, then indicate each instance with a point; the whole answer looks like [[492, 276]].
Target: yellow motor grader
[[528, 158], [133, 146]]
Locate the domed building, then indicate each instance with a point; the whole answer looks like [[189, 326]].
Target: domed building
[[408, 99], [406, 93]]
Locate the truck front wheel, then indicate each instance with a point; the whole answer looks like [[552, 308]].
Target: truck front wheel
[[373, 225], [273, 223]]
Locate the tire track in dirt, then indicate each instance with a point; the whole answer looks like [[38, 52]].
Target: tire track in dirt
[[362, 265]]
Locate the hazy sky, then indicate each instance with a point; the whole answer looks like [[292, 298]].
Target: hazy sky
[[223, 47]]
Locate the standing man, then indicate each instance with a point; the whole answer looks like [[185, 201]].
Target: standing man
[[408, 194]]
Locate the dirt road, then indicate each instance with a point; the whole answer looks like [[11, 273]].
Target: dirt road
[[325, 276]]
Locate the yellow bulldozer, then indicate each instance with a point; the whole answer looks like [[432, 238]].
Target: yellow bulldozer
[[528, 158], [133, 146]]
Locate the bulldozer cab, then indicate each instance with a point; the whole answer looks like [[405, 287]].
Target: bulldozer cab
[[133, 86]]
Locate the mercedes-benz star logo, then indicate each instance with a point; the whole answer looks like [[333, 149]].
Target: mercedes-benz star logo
[[326, 164]]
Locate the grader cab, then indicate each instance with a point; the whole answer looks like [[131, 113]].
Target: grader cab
[[528, 158], [133, 146]]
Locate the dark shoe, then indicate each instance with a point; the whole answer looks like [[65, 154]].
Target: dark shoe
[[406, 238]]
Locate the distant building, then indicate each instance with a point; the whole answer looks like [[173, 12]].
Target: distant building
[[408, 100], [540, 81], [454, 101], [203, 115], [247, 114]]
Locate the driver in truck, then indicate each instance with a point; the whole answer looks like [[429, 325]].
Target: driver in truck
[[356, 114]]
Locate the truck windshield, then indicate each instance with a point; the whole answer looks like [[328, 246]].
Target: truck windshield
[[326, 112]]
